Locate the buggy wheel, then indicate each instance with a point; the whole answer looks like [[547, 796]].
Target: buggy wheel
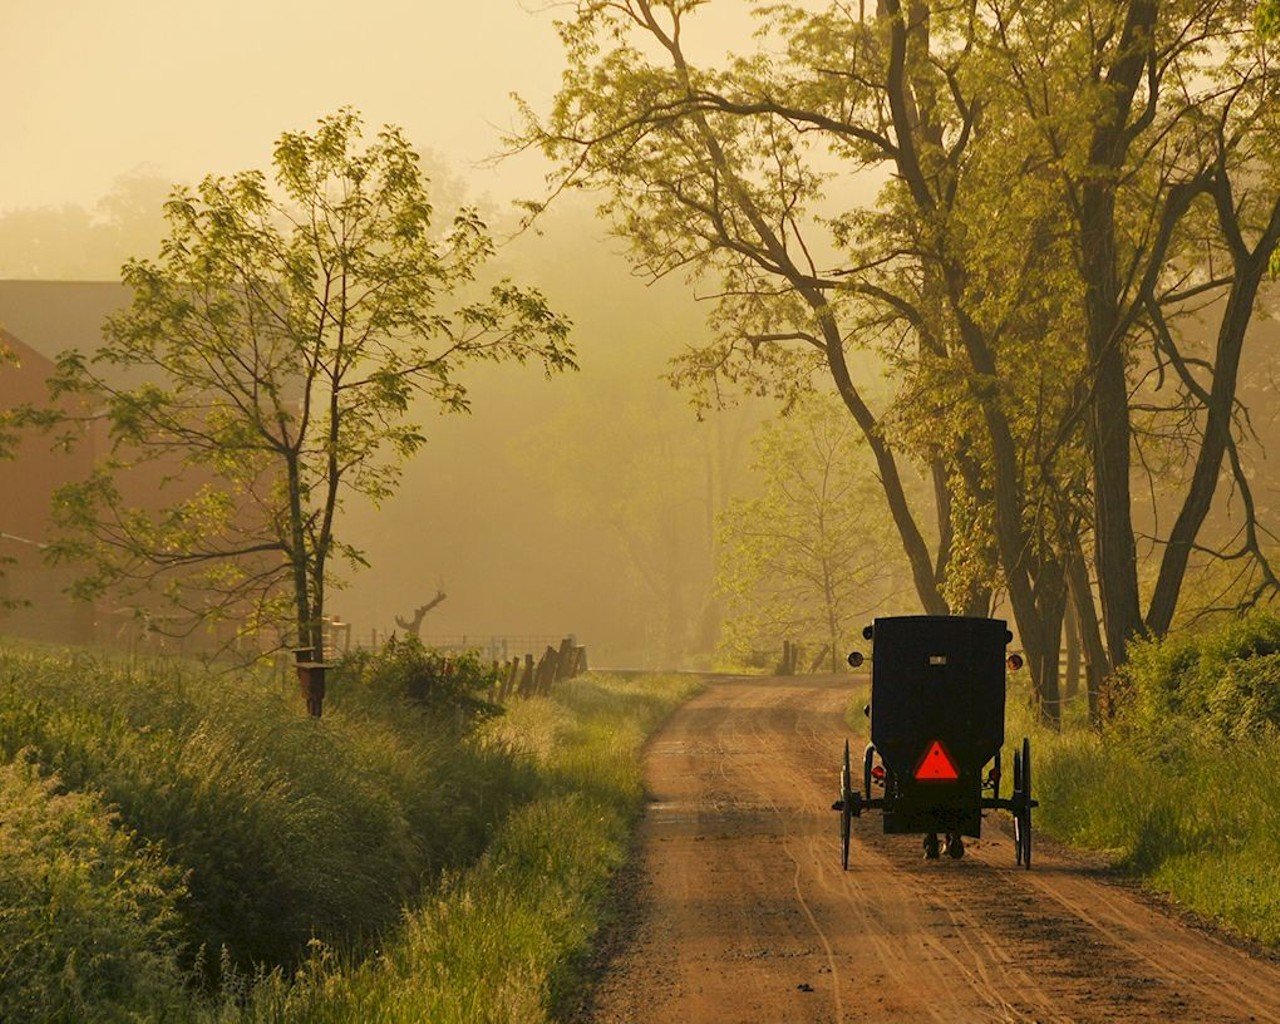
[[846, 809], [867, 757], [995, 789], [1023, 820], [1017, 813]]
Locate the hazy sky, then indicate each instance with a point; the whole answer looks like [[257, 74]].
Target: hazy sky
[[95, 88]]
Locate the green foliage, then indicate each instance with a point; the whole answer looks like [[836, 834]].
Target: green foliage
[[290, 828], [1226, 681], [811, 555], [1042, 203], [452, 688], [1269, 18], [507, 940], [1192, 812], [87, 930], [267, 367]]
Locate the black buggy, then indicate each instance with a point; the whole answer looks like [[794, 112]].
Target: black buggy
[[937, 725]]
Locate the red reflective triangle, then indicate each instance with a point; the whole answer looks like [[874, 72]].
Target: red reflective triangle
[[936, 766]]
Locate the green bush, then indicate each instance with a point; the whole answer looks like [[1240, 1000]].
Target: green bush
[[88, 918], [452, 687], [1225, 682], [1181, 789]]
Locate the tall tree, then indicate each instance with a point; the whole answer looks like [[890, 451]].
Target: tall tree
[[1045, 213], [727, 197], [271, 356], [1154, 117], [710, 172]]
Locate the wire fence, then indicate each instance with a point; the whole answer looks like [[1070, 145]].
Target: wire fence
[[341, 637]]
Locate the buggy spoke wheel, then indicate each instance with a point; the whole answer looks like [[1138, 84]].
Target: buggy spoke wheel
[[1017, 796], [846, 810], [1024, 823]]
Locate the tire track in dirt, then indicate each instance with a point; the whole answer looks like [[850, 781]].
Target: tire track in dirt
[[742, 914]]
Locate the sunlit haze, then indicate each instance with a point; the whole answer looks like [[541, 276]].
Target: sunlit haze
[[97, 89]]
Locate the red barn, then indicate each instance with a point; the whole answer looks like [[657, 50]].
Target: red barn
[[39, 319]]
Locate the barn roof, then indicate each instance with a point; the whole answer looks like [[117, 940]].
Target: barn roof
[[51, 316]]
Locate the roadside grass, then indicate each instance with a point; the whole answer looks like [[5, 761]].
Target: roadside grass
[[1195, 816], [287, 828], [87, 920], [508, 939], [181, 845]]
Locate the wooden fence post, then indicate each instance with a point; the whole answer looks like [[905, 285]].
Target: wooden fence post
[[526, 682], [564, 660], [509, 679], [547, 668]]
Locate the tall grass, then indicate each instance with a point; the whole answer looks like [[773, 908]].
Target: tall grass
[[164, 826], [87, 919], [1183, 789], [286, 828], [506, 940]]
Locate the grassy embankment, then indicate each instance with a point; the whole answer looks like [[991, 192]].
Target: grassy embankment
[[176, 846], [1182, 790]]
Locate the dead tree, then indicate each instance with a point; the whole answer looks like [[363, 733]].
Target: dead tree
[[414, 625]]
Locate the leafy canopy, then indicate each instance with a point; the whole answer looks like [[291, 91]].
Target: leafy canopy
[[268, 366]]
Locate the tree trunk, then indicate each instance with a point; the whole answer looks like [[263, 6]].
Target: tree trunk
[[1097, 668], [306, 617], [922, 565], [1051, 601], [1109, 422], [1248, 271], [1071, 635]]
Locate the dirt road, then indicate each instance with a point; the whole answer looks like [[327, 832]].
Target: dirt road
[[739, 911]]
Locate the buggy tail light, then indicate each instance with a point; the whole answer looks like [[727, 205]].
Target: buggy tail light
[[993, 775], [1014, 662]]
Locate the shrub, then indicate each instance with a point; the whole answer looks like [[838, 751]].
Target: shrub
[[89, 917], [1181, 789], [1225, 682], [451, 688]]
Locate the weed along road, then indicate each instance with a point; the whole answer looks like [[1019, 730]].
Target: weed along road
[[738, 911]]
